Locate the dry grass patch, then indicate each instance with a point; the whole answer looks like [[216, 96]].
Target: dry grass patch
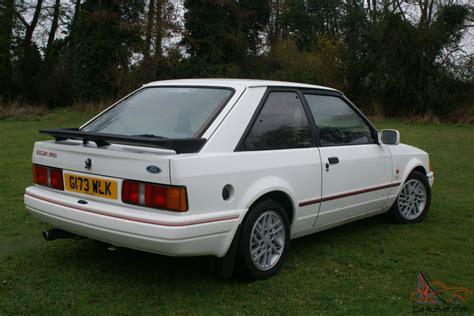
[[21, 110], [92, 107], [464, 115]]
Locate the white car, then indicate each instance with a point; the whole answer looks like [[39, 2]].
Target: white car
[[227, 168]]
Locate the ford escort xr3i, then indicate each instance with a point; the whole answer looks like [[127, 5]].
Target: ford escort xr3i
[[226, 168]]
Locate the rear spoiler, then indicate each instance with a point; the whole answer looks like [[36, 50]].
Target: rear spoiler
[[179, 145]]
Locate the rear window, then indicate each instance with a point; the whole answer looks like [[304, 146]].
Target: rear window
[[171, 112]]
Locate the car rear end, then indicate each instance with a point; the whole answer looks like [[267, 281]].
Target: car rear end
[[122, 193]]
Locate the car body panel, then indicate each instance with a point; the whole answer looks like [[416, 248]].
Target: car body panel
[[406, 158], [369, 167], [133, 161], [296, 173], [135, 227]]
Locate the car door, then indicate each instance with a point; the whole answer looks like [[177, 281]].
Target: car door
[[279, 150], [356, 170]]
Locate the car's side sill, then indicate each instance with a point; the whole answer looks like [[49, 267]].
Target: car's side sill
[[327, 226]]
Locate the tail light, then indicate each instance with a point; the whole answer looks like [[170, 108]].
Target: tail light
[[48, 177], [154, 195], [431, 166]]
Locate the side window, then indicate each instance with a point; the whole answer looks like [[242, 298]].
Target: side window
[[337, 122], [281, 124]]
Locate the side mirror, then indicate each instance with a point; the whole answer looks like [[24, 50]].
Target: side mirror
[[390, 136]]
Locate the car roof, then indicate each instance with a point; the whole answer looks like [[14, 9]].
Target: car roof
[[235, 82]]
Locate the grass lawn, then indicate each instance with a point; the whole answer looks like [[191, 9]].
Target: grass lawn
[[367, 267]]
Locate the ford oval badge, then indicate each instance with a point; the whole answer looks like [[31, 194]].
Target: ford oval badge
[[153, 169]]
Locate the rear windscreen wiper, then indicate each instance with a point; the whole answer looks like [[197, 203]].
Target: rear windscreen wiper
[[148, 135]]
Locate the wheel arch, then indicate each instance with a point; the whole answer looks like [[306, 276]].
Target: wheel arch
[[419, 168], [414, 164], [274, 188], [282, 198], [395, 208], [280, 195]]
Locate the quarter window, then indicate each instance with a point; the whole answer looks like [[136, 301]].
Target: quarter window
[[337, 122], [281, 124]]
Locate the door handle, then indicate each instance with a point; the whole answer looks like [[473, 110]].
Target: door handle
[[333, 160]]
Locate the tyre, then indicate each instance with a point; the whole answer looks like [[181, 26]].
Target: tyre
[[264, 240], [413, 201]]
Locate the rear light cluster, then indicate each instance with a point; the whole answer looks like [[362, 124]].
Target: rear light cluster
[[48, 177], [154, 195]]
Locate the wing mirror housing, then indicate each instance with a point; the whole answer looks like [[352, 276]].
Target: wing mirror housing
[[390, 137]]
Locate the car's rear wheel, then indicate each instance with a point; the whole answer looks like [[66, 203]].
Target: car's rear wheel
[[413, 201], [264, 240]]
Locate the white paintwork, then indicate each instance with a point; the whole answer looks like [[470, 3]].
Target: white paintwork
[[209, 225], [226, 82], [368, 166], [397, 138]]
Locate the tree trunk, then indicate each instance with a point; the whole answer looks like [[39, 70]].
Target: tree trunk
[[54, 27], [77, 9], [158, 28], [31, 27], [158, 35], [75, 17], [148, 31], [426, 9], [6, 31]]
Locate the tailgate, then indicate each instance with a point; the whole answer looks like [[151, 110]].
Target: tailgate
[[112, 162]]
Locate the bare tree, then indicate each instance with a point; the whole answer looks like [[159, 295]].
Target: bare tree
[[54, 27], [159, 24], [6, 30], [275, 30], [149, 29], [77, 9], [426, 10], [30, 27]]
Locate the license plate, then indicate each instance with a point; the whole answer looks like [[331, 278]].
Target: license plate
[[92, 186]]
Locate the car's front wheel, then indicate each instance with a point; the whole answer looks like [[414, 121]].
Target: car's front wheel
[[413, 201], [264, 240]]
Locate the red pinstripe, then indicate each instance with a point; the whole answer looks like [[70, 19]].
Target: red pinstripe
[[338, 196], [133, 219]]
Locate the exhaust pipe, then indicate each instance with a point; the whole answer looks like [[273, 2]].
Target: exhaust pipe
[[56, 233]]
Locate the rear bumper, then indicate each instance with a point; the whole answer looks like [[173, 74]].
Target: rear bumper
[[174, 234]]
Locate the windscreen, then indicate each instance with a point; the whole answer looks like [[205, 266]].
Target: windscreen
[[171, 112]]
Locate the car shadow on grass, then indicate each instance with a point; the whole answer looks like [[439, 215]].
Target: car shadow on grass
[[92, 259]]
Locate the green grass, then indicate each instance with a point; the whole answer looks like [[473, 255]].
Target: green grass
[[367, 267]]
